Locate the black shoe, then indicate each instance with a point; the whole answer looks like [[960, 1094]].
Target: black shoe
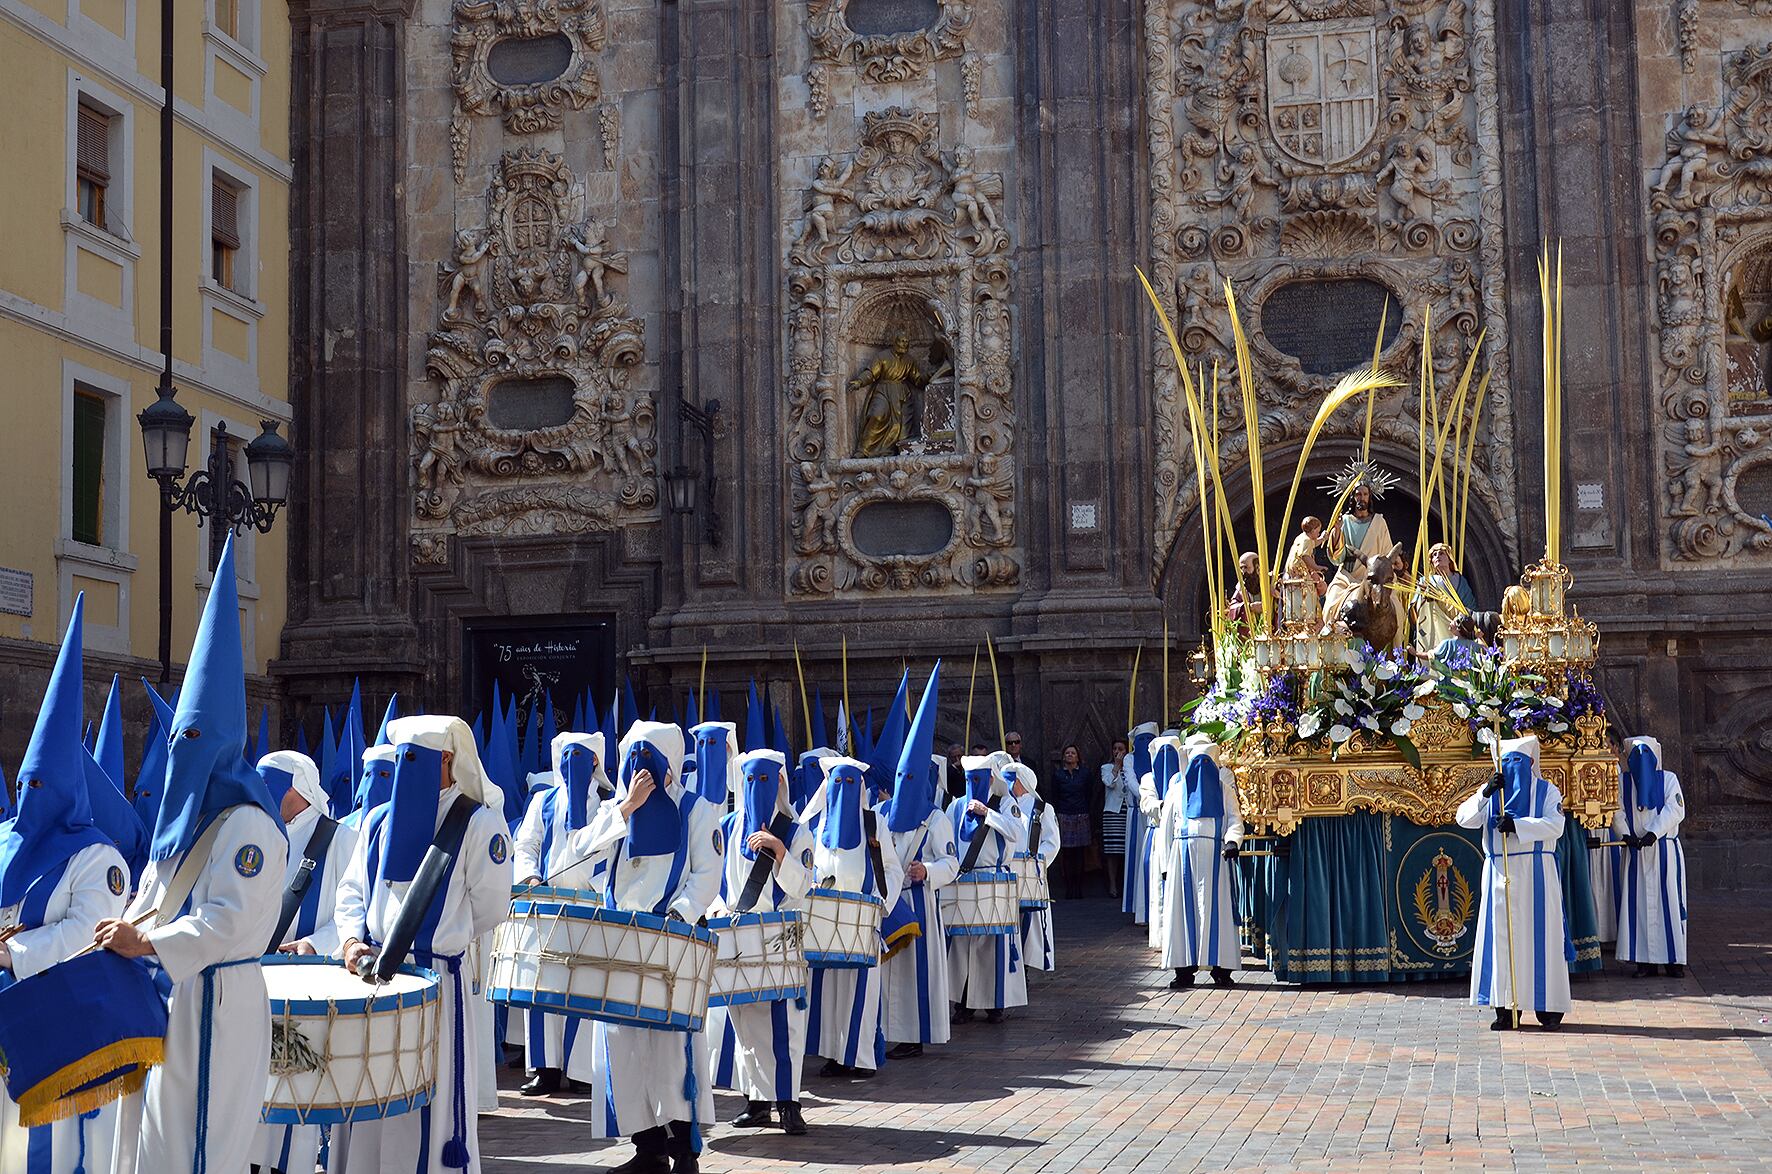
[[1550, 1020], [792, 1123], [1645, 970], [1504, 1020], [1221, 977], [755, 1115], [904, 1051], [993, 1016], [1183, 979], [961, 1015], [686, 1161], [832, 1070], [1676, 970], [859, 1073], [644, 1163], [543, 1082]]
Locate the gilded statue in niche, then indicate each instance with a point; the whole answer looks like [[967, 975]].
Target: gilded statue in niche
[[892, 386]]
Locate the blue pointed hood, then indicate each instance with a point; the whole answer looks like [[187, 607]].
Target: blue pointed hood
[[716, 761], [390, 714], [115, 816], [819, 735], [1203, 795], [884, 751], [150, 780], [1645, 781], [205, 771], [54, 817], [109, 751], [913, 791], [261, 745], [756, 735]]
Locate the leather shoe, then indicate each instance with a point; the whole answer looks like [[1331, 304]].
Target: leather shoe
[[1504, 1020], [755, 1115], [1645, 970], [993, 1016], [1183, 979], [791, 1122], [961, 1015], [1676, 970], [1221, 976], [1550, 1020], [543, 1082], [687, 1161], [904, 1051], [648, 1163], [832, 1069]]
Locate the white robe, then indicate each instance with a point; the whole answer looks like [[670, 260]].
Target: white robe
[[1520, 928], [1133, 898], [1037, 945], [1152, 809], [987, 972], [87, 893], [1652, 881], [844, 1024], [764, 1042], [1603, 866], [563, 859], [294, 1149], [211, 953], [1199, 915], [638, 1073], [916, 978], [474, 900]]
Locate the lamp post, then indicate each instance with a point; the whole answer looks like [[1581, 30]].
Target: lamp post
[[211, 492], [681, 485]]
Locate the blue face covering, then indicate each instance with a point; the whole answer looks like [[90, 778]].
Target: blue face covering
[[577, 765], [808, 779], [1164, 769], [1141, 754], [843, 791], [1647, 784], [412, 818], [1515, 798], [978, 786], [762, 783], [1204, 796], [375, 785], [655, 828], [277, 782], [711, 753]]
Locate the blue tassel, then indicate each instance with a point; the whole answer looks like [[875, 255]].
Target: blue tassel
[[455, 1153], [691, 1092]]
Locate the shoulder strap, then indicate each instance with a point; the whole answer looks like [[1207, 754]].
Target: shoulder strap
[[871, 825], [189, 869], [313, 858], [427, 885], [781, 827], [976, 844]]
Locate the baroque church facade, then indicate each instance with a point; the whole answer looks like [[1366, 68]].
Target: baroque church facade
[[861, 276]]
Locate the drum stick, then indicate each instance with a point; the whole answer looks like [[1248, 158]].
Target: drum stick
[[138, 922]]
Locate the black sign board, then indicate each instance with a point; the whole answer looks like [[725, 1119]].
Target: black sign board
[[536, 657]]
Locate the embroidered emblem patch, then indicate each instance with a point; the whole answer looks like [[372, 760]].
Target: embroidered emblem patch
[[806, 857], [114, 879], [498, 849], [719, 844], [249, 860]]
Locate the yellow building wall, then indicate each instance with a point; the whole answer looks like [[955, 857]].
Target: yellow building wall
[[47, 327]]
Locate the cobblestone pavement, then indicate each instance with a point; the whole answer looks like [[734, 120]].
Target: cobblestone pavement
[[1110, 1071]]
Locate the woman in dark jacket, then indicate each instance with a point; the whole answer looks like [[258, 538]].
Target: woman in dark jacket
[[1076, 797]]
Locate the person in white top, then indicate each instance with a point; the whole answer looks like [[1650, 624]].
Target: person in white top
[[1153, 789], [916, 997], [60, 876], [199, 1109], [1135, 895], [1652, 876], [663, 855], [319, 852], [1199, 832], [985, 972], [443, 799], [1522, 945], [552, 847], [1037, 945]]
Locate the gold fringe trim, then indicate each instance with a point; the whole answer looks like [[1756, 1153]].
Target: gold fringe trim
[[51, 1099], [901, 937]]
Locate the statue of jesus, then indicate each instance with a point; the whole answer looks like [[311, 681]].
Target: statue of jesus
[[885, 412]]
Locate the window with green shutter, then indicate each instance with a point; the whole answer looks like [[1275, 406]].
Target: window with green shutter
[[89, 468]]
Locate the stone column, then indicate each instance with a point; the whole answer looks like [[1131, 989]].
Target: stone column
[[348, 558]]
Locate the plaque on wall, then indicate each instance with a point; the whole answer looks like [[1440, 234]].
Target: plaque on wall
[[1328, 326], [534, 659]]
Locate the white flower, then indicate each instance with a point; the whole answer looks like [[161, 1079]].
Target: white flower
[[1343, 707], [1369, 722], [1401, 727], [1425, 688], [1413, 712], [1485, 736], [1356, 663], [1554, 702], [1558, 727], [1462, 710], [1339, 733], [1385, 670], [1309, 724]]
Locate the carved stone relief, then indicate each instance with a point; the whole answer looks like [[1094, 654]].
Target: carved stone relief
[[899, 352], [530, 101], [1711, 207], [1327, 140], [529, 299], [889, 56]]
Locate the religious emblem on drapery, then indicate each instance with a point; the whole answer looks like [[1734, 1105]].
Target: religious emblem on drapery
[[1443, 903]]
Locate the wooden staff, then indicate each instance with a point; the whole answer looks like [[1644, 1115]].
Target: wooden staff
[[966, 742], [997, 684], [805, 706]]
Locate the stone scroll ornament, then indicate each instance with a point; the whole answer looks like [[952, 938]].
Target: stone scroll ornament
[[531, 296], [578, 27], [1710, 207], [899, 55], [1335, 143], [900, 410]]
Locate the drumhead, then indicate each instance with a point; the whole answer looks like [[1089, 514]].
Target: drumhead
[[326, 979]]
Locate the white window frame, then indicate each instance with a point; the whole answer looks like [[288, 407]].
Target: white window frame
[[94, 36], [94, 317], [224, 369], [242, 53], [247, 41], [110, 561]]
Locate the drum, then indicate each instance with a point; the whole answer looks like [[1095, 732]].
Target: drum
[[759, 958], [344, 1051], [1030, 881], [842, 929], [79, 1035], [551, 893], [634, 969], [981, 902]]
